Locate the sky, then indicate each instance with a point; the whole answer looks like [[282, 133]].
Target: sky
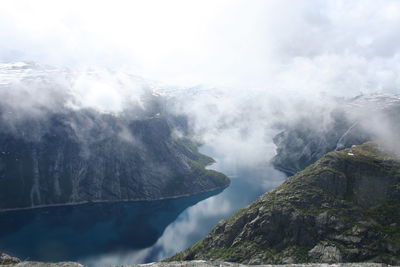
[[325, 46], [258, 62]]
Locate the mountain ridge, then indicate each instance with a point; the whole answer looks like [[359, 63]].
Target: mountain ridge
[[343, 208], [91, 157], [351, 122]]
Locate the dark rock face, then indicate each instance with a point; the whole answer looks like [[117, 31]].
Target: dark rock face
[[343, 208], [350, 123], [82, 156], [301, 145]]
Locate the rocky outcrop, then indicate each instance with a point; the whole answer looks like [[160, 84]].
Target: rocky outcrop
[[6, 259], [44, 264], [230, 264], [343, 208], [197, 263], [85, 156]]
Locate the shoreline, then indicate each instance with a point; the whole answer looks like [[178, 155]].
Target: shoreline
[[112, 201]]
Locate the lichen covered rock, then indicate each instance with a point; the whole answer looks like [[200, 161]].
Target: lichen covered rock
[[6, 259]]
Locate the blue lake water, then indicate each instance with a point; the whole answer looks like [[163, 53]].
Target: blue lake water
[[106, 234], [75, 232]]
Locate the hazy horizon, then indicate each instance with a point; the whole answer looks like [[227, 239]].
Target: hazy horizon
[[312, 47]]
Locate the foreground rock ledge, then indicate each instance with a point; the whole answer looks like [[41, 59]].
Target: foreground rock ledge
[[199, 263], [7, 260], [44, 264]]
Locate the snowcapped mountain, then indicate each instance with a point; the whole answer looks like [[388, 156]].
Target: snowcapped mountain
[[69, 137]]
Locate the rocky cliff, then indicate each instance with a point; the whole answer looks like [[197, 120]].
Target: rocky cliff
[[87, 156], [347, 123], [69, 136], [343, 208]]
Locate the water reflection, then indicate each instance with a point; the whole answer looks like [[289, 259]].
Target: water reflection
[[109, 234], [76, 232], [195, 222]]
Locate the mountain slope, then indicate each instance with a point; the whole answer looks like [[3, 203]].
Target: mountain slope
[[351, 122], [343, 208], [73, 136], [81, 156]]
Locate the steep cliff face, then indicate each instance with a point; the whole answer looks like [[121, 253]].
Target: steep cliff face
[[343, 208], [351, 122], [81, 156]]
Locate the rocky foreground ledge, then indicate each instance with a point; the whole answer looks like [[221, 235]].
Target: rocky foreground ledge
[[202, 264], [9, 261], [198, 263], [43, 264]]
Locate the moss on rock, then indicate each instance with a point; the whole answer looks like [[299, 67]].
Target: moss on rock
[[343, 208]]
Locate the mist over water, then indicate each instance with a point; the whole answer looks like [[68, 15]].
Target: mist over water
[[123, 233], [197, 221], [239, 71]]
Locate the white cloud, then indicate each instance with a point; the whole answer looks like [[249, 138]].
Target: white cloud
[[233, 43], [271, 61]]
